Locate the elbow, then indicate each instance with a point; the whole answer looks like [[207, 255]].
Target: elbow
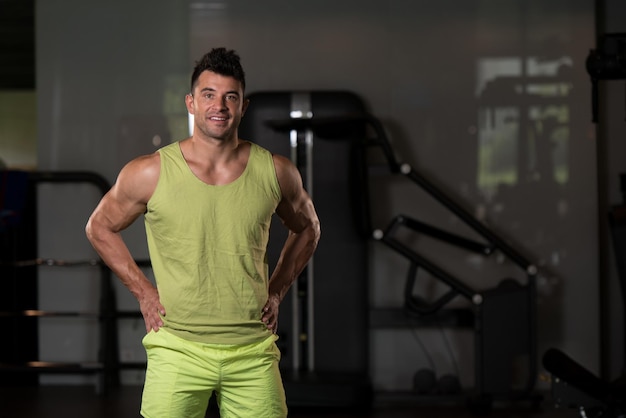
[[89, 230], [93, 231], [316, 233], [308, 236]]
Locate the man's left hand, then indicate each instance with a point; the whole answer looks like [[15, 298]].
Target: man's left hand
[[270, 313]]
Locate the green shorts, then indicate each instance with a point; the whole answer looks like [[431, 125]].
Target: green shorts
[[182, 375]]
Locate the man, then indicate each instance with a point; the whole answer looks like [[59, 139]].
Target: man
[[207, 202]]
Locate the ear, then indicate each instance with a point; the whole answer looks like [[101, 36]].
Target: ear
[[189, 103], [246, 102]]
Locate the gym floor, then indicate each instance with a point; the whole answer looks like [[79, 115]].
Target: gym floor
[[83, 401]]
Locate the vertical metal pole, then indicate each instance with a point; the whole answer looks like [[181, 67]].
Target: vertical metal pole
[[301, 109], [602, 180], [308, 139], [295, 305]]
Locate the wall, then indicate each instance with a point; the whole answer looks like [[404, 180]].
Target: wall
[[110, 84], [611, 134], [18, 129], [489, 100]]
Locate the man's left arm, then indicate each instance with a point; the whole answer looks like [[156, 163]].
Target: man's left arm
[[298, 214]]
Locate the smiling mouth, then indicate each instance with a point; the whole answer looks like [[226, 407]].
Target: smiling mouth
[[218, 118]]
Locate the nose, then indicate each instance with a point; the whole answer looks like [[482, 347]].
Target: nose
[[222, 103]]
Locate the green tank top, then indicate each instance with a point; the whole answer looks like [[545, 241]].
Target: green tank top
[[207, 246]]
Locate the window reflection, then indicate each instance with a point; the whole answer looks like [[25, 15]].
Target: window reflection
[[523, 121]]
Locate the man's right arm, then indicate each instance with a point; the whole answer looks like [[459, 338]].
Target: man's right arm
[[119, 208]]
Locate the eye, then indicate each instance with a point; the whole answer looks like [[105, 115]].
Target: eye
[[232, 97], [208, 95]]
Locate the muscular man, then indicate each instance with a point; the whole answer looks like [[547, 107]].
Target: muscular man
[[207, 202]]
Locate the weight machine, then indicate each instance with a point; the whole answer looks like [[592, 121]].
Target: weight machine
[[20, 363], [503, 317], [573, 385]]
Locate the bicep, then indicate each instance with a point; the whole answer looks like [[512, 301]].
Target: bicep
[[127, 199], [116, 211], [296, 208]]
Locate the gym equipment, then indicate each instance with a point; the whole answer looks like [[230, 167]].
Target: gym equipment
[[573, 385], [18, 238], [449, 384], [19, 264], [503, 317], [22, 309], [606, 62], [323, 321], [424, 381]]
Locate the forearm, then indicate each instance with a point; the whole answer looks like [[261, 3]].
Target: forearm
[[296, 253], [114, 253]]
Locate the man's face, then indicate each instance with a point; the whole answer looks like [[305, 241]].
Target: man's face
[[217, 104]]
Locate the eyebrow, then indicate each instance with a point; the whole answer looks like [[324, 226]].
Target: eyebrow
[[213, 90]]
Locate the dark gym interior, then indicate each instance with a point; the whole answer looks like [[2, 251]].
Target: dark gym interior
[[466, 159]]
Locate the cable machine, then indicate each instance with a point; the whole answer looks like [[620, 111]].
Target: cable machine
[[503, 317]]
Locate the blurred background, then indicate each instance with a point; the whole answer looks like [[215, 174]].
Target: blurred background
[[489, 100]]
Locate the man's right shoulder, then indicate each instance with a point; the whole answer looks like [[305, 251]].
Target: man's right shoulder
[[145, 165], [141, 174]]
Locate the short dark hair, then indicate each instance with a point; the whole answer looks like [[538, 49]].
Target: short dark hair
[[220, 61]]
